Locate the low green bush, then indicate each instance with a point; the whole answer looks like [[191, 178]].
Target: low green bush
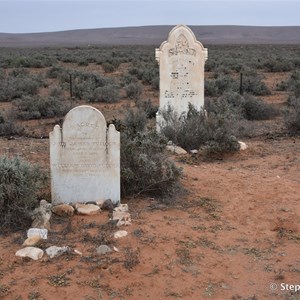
[[134, 90], [38, 107], [108, 93], [8, 126], [20, 185], [145, 166], [211, 131], [292, 116]]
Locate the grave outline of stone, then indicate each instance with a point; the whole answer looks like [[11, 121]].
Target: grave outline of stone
[[84, 158], [181, 60]]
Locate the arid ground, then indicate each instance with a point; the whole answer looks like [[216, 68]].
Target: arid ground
[[233, 233]]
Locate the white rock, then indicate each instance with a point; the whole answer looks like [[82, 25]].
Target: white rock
[[32, 241], [63, 210], [78, 252], [87, 209], [194, 151], [243, 146], [176, 149], [42, 232], [120, 234], [103, 249], [31, 252], [123, 217], [121, 207], [56, 251], [116, 249]]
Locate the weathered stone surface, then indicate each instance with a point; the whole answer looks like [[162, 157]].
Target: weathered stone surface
[[120, 234], [84, 158], [123, 217], [32, 241], [31, 252], [63, 210], [56, 251], [41, 216], [121, 207], [108, 205], [176, 149], [103, 249], [181, 71], [243, 146], [42, 232], [87, 209]]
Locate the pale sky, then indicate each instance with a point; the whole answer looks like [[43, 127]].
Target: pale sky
[[24, 16]]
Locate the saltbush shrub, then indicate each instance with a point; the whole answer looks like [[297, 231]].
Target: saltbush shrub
[[292, 116], [20, 184], [38, 107], [134, 90], [108, 93], [8, 126], [211, 131], [145, 166]]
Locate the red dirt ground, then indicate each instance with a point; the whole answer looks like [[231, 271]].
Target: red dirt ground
[[233, 234], [230, 236]]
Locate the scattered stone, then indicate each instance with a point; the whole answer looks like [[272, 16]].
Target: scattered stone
[[57, 251], [63, 210], [42, 232], [121, 207], [123, 218], [243, 146], [194, 151], [120, 234], [108, 205], [170, 143], [87, 209], [103, 249], [116, 249], [32, 241], [225, 286], [78, 252], [100, 202], [176, 149], [31, 252], [41, 216]]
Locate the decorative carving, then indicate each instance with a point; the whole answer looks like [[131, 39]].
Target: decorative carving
[[182, 47]]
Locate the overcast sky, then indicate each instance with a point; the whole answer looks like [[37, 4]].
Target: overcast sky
[[24, 16]]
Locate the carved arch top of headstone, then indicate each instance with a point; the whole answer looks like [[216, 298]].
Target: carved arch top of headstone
[[181, 40]]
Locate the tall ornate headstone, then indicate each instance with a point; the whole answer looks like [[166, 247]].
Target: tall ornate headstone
[[84, 158], [181, 69]]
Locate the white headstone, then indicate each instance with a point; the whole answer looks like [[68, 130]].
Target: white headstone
[[181, 70], [84, 158]]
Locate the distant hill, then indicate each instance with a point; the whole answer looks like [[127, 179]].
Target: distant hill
[[153, 35]]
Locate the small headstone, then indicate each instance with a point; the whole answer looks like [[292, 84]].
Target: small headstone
[[103, 249], [31, 252], [63, 210], [84, 158], [42, 232], [181, 72], [87, 209]]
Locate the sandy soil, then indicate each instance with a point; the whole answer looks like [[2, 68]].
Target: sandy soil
[[233, 233]]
